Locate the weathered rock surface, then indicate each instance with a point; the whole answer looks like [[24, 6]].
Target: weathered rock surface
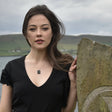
[[94, 77]]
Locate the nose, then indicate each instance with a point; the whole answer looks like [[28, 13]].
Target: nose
[[38, 33]]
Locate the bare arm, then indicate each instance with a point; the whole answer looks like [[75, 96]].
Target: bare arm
[[71, 100], [71, 103], [6, 99]]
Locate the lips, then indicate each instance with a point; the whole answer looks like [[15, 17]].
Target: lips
[[39, 41]]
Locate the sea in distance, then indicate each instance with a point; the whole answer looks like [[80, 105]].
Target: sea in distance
[[4, 61]]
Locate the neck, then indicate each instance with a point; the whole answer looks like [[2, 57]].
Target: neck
[[37, 56]]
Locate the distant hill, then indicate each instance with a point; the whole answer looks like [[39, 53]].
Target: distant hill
[[15, 44], [97, 38]]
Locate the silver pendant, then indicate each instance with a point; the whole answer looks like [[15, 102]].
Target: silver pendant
[[38, 72]]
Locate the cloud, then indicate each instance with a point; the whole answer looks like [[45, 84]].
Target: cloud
[[79, 16]]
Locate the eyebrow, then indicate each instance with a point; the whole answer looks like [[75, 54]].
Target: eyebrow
[[45, 25], [41, 25]]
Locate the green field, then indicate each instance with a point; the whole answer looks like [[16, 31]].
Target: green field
[[15, 44], [68, 48]]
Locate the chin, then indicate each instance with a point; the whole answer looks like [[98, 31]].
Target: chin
[[40, 48]]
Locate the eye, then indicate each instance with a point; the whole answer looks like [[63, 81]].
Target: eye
[[45, 29], [32, 29]]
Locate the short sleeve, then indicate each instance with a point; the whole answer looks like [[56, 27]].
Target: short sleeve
[[5, 76]]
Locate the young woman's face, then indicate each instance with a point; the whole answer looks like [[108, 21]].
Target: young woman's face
[[39, 32]]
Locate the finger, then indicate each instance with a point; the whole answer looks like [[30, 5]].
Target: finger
[[73, 68], [74, 62]]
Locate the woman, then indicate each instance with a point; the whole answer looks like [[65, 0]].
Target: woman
[[44, 80]]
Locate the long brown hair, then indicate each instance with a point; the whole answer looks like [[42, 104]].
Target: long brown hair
[[55, 57]]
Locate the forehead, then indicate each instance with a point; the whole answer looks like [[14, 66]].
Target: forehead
[[38, 20]]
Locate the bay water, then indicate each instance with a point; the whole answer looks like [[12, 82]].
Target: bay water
[[4, 61]]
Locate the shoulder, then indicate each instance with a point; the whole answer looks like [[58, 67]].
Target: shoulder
[[15, 62], [68, 66]]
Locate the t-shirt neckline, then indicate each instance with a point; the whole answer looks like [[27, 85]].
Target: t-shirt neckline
[[29, 80]]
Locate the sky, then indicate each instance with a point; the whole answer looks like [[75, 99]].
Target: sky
[[78, 16]]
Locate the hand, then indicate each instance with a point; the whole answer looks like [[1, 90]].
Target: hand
[[72, 71]]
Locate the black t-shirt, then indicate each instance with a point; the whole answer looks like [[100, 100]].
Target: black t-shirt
[[27, 97]]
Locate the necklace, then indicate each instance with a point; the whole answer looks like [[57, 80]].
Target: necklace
[[38, 72]]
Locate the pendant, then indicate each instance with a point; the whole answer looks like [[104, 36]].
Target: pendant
[[38, 72]]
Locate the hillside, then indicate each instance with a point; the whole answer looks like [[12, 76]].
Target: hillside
[[15, 44]]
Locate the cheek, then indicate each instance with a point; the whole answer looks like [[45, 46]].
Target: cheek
[[50, 37], [28, 38]]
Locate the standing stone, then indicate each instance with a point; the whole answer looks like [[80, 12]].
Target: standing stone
[[94, 77]]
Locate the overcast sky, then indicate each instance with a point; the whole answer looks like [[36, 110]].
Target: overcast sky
[[78, 16]]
